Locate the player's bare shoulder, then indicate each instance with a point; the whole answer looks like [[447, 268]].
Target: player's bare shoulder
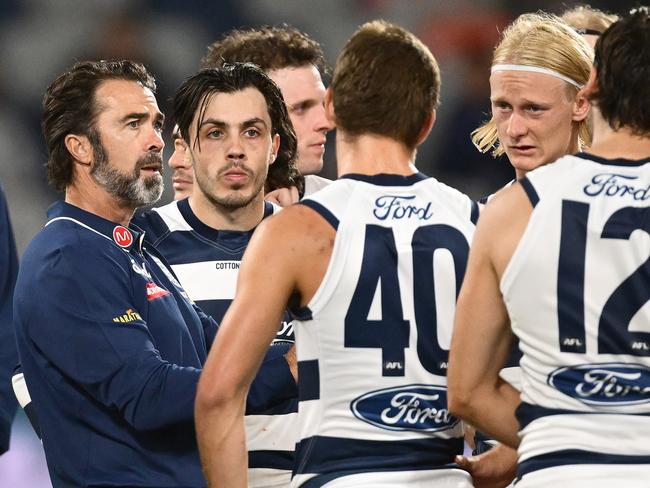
[[506, 214], [299, 228]]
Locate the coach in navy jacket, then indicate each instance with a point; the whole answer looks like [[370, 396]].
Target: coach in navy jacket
[[111, 347]]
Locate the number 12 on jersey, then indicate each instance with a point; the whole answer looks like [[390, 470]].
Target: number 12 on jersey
[[614, 337]]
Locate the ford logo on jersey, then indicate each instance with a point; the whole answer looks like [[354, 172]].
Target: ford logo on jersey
[[411, 407], [604, 384]]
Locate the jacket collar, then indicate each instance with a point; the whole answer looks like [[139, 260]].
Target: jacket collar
[[127, 238]]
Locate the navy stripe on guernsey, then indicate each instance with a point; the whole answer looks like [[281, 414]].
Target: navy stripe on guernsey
[[530, 190], [322, 211], [351, 456], [384, 179], [527, 413], [271, 459], [308, 380], [475, 212], [613, 162], [303, 313], [573, 457]]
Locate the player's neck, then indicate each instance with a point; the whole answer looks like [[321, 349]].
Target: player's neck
[[617, 144], [221, 218], [91, 197], [371, 154]]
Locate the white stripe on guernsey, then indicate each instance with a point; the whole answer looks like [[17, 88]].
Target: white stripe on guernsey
[[82, 225], [271, 432], [268, 478], [442, 478], [20, 390], [588, 476], [208, 280], [512, 375], [535, 69], [172, 217], [604, 433]]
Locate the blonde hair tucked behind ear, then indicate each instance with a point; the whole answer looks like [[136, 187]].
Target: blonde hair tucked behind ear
[[545, 41]]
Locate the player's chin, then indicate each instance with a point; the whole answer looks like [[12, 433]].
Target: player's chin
[[311, 166], [526, 164]]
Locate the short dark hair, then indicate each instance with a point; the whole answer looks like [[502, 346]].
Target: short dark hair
[[69, 107], [268, 47], [386, 82], [194, 95], [622, 64]]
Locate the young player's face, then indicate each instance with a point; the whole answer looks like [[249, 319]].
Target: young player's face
[[535, 116], [303, 92], [235, 148], [128, 156], [180, 163]]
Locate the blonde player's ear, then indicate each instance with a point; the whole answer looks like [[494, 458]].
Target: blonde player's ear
[[581, 106], [591, 87], [426, 127], [329, 107]]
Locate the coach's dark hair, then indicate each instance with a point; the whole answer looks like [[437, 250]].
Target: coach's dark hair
[[194, 95], [386, 82], [268, 47], [70, 107], [622, 64]]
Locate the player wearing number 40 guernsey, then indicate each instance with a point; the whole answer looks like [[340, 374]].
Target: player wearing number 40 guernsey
[[561, 260], [238, 136], [371, 266]]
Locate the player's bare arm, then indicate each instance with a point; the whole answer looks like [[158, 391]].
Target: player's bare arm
[[482, 337], [279, 267]]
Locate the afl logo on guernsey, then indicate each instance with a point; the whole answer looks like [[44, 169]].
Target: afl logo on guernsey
[[406, 408], [604, 384], [122, 236]]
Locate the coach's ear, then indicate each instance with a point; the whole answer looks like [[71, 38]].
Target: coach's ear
[[426, 127], [329, 107], [79, 148]]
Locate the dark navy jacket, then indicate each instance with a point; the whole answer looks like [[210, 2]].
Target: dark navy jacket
[[111, 352], [8, 356]]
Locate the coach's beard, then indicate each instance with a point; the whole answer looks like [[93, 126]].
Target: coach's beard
[[130, 188]]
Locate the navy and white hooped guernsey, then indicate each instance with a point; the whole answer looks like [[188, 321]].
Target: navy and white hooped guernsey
[[577, 290], [206, 262], [373, 341]]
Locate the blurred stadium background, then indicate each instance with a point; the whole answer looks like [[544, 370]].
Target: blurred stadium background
[[41, 38]]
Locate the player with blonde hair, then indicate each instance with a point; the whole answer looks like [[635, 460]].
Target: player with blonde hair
[[538, 114], [560, 260]]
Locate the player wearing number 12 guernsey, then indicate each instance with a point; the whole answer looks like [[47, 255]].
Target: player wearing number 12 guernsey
[[580, 234], [371, 267]]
